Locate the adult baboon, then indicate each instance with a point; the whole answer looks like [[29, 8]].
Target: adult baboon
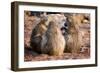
[[41, 28], [53, 41], [73, 42]]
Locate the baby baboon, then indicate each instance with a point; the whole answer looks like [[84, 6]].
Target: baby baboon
[[36, 36], [53, 41]]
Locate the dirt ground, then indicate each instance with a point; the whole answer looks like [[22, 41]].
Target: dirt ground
[[31, 55]]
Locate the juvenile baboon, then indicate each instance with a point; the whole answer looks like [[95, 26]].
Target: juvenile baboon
[[53, 41], [36, 37], [29, 24]]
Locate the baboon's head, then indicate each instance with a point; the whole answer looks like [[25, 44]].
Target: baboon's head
[[53, 28], [52, 24], [59, 19]]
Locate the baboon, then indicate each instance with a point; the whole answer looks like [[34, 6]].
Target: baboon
[[29, 24], [36, 36], [53, 42], [41, 28], [73, 37]]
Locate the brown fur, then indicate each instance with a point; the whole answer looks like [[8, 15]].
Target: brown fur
[[29, 24], [36, 36], [73, 41], [53, 42]]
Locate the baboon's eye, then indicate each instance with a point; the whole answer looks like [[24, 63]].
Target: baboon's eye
[[65, 24]]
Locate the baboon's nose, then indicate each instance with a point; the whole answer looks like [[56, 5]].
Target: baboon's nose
[[63, 28]]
